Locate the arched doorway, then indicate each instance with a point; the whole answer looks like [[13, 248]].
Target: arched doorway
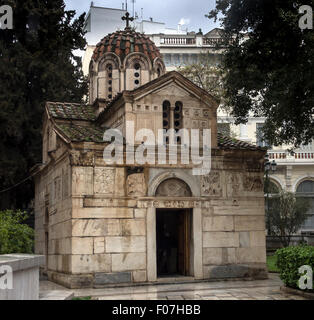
[[173, 231]]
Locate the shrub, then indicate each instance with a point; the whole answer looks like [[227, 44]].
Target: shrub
[[290, 259], [285, 215], [15, 237]]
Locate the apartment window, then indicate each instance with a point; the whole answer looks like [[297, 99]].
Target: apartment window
[[167, 60], [260, 141], [306, 190]]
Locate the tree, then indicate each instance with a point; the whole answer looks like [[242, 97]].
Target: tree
[[15, 235], [37, 65], [285, 215], [268, 66], [205, 74]]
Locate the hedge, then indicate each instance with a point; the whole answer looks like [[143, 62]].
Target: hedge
[[15, 236], [290, 259]]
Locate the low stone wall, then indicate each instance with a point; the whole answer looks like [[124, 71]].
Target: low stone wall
[[273, 243], [25, 276]]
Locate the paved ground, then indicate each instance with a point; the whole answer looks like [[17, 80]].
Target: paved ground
[[52, 291], [222, 290]]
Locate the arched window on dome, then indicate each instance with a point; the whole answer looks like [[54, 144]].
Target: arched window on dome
[[306, 190], [137, 74], [109, 69]]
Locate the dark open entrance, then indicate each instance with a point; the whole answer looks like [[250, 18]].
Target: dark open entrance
[[173, 230]]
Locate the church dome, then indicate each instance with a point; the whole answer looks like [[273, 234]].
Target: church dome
[[123, 60], [125, 42]]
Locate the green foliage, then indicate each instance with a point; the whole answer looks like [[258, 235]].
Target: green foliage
[[15, 237], [272, 263], [207, 75], [285, 215], [270, 74], [37, 64], [290, 259]]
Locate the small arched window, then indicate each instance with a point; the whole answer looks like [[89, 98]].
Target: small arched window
[[178, 115], [271, 188], [137, 74], [109, 77], [166, 115]]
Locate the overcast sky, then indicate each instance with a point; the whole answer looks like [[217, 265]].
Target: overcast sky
[[172, 12]]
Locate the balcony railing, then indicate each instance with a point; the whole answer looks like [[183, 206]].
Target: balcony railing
[[282, 156], [178, 41], [188, 41], [213, 42]]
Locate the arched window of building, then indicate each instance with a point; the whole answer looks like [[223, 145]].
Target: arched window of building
[[137, 74], [166, 116], [306, 190], [109, 77], [271, 187], [178, 115]]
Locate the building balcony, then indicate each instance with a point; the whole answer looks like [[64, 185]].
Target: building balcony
[[188, 41], [298, 157]]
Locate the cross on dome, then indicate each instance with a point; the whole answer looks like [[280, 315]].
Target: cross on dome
[[127, 18]]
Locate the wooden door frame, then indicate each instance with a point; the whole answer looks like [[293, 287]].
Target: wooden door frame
[[196, 255]]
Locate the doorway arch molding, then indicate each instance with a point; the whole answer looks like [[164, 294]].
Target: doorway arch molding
[[190, 180], [197, 228]]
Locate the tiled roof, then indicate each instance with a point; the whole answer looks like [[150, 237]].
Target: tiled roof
[[71, 111], [225, 142], [125, 42], [79, 133], [94, 133]]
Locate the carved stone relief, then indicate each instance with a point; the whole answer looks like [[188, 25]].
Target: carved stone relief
[[136, 185], [173, 188], [252, 183], [78, 158], [211, 185], [173, 204], [234, 184], [82, 181], [104, 179]]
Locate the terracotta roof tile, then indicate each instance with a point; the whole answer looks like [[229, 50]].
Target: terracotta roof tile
[[79, 133], [225, 142], [70, 111], [125, 42], [94, 133]]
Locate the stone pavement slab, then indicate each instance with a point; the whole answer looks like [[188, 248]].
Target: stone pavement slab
[[52, 291], [219, 290]]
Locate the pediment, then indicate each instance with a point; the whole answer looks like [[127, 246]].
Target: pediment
[[175, 85]]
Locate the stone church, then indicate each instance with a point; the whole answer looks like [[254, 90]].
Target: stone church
[[99, 224]]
